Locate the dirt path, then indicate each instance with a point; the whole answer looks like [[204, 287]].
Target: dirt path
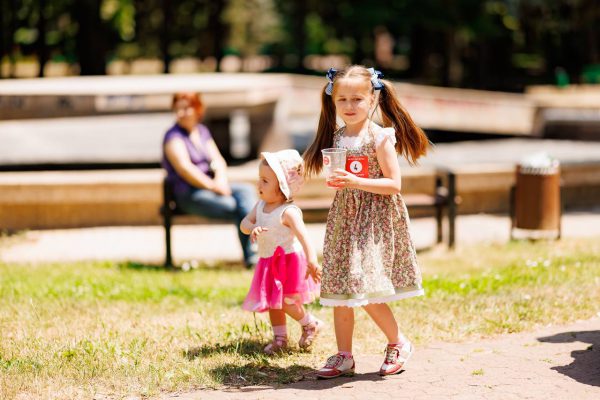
[[554, 362]]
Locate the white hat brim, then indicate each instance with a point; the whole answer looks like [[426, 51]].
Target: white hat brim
[[275, 165]]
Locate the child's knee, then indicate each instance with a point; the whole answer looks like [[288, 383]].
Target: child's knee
[[292, 303]]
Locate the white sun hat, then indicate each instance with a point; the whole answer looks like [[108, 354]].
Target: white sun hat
[[289, 170]]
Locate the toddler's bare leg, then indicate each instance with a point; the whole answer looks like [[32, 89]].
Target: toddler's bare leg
[[278, 323], [277, 317], [294, 310]]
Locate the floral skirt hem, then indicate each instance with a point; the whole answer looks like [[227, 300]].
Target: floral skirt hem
[[333, 300]]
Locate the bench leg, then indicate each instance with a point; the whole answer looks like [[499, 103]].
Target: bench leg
[[511, 210], [451, 209], [561, 208], [451, 225], [168, 257], [439, 214]]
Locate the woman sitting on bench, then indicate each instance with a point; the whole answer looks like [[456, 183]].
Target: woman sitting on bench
[[198, 172]]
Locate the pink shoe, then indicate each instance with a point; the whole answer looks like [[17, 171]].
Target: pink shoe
[[396, 357], [310, 333], [337, 365], [278, 344]]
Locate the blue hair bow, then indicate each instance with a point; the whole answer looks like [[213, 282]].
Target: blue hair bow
[[375, 76], [330, 75]]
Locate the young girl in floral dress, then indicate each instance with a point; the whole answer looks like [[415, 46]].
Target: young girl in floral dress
[[287, 274], [368, 257]]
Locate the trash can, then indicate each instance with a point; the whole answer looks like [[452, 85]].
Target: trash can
[[536, 205]]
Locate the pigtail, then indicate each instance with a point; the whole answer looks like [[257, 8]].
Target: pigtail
[[313, 159], [411, 141]]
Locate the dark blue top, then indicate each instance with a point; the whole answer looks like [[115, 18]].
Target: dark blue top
[[198, 156]]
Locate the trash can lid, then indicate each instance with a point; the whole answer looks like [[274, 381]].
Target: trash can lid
[[540, 163]]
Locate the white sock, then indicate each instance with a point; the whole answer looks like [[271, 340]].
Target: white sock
[[280, 330], [402, 340], [307, 319]]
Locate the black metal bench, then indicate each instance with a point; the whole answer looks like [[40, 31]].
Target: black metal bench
[[443, 198], [168, 210]]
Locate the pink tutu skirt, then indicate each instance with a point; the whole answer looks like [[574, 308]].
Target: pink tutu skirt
[[280, 279]]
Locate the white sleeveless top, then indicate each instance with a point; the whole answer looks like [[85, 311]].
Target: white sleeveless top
[[278, 234]]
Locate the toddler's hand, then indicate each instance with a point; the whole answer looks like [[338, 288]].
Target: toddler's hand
[[257, 231], [314, 269]]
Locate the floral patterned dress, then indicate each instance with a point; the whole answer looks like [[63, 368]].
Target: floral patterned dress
[[368, 255]]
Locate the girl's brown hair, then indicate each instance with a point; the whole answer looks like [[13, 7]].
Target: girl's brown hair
[[411, 141]]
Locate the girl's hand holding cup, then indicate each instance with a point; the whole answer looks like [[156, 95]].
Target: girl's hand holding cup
[[334, 159], [343, 179]]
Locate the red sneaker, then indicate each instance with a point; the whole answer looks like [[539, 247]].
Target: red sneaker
[[337, 365], [396, 357]]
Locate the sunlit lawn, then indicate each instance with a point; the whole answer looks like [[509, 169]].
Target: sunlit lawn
[[105, 329]]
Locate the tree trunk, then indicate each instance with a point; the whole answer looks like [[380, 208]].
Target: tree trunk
[[217, 30], [418, 53], [358, 55], [165, 39], [11, 45], [42, 48], [593, 34], [453, 69], [3, 34], [91, 38], [299, 33]]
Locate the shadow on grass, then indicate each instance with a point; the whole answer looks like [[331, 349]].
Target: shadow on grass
[[585, 367], [215, 266], [242, 347], [235, 375], [143, 266], [255, 368], [298, 377]]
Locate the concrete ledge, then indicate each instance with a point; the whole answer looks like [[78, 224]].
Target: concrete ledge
[[39, 200], [431, 107], [82, 198]]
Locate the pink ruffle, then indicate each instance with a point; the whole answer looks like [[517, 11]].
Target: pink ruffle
[[279, 277]]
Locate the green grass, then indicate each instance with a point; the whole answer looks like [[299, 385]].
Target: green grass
[[107, 329]]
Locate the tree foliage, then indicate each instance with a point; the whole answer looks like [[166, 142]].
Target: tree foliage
[[497, 44]]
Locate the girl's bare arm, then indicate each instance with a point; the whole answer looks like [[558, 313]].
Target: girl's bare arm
[[249, 221], [292, 218]]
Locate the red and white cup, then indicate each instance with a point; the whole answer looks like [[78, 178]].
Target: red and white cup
[[333, 158]]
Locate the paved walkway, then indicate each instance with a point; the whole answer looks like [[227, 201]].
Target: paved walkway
[[552, 363], [146, 243]]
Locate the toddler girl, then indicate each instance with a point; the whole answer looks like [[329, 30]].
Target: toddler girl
[[287, 273]]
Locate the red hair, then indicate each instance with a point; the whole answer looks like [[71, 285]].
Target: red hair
[[193, 99]]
